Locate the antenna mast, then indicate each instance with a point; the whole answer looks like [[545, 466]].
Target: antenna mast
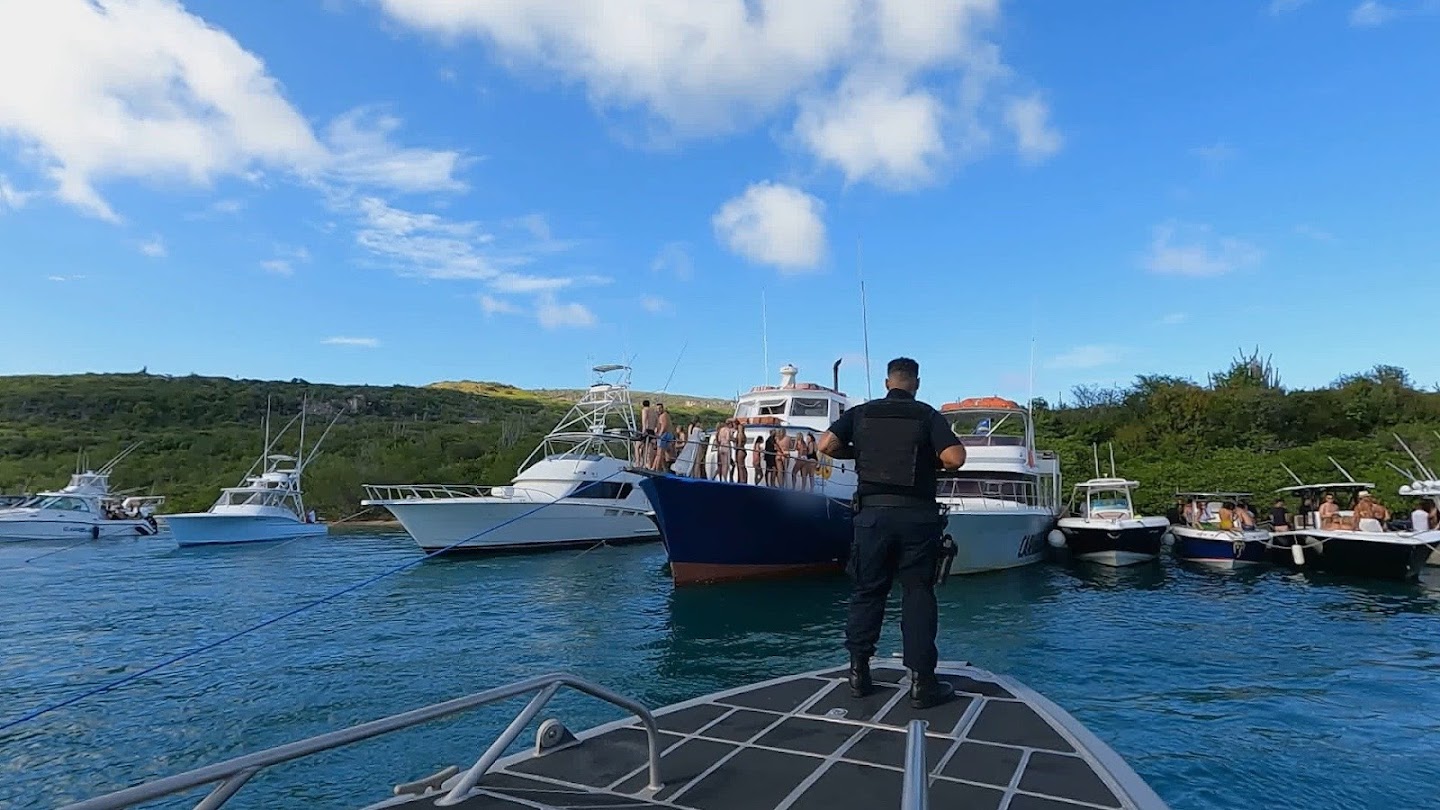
[[1112, 460], [864, 320], [1095, 451], [764, 338], [300, 454]]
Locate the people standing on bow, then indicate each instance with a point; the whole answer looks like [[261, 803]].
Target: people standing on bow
[[722, 451], [757, 460], [898, 443], [645, 447]]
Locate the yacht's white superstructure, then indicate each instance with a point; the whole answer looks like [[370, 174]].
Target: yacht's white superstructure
[[83, 508], [1004, 500], [263, 507], [574, 490]]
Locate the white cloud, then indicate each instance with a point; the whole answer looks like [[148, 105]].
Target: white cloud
[[362, 153], [1029, 119], [1089, 356], [280, 267], [554, 315], [1372, 13], [1318, 234], [11, 197], [877, 131], [63, 279], [654, 304], [495, 306], [674, 257], [886, 90], [425, 245], [102, 90], [773, 224], [1174, 319], [1215, 153], [360, 342], [154, 247], [1183, 249], [1278, 7]]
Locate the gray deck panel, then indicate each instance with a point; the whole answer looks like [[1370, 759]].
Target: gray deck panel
[[757, 748]]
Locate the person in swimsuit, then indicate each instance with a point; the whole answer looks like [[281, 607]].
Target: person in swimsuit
[[1329, 512], [647, 434], [739, 445], [664, 428], [769, 453], [757, 455]]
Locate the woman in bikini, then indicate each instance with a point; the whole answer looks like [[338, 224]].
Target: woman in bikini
[[757, 460]]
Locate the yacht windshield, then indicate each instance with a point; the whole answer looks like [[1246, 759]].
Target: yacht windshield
[[988, 428]]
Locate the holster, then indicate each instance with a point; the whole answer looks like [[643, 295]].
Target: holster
[[948, 549]]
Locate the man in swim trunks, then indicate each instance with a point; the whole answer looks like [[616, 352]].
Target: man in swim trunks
[[666, 432]]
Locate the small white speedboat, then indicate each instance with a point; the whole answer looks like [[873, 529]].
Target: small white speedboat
[[264, 507], [83, 508]]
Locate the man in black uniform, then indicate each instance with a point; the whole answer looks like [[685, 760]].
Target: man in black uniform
[[897, 443]]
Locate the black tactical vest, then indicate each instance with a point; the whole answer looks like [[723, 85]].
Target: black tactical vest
[[893, 453]]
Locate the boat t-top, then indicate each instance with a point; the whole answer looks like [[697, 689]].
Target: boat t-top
[[83, 508], [1103, 525], [1332, 538], [574, 490], [798, 742], [1209, 536], [1004, 500], [264, 506]]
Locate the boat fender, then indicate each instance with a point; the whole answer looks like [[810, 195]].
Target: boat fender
[[1297, 553], [1056, 538]]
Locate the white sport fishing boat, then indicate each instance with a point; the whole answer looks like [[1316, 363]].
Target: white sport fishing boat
[[263, 507], [1103, 525], [83, 508], [574, 490], [1004, 500]]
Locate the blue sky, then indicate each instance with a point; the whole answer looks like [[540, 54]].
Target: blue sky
[[404, 191]]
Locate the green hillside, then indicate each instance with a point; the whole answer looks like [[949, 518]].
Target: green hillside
[[202, 433], [1235, 429]]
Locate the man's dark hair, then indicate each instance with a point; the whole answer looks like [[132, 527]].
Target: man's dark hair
[[645, 402], [903, 369]]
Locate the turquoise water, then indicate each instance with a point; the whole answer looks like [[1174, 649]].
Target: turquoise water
[[1223, 691]]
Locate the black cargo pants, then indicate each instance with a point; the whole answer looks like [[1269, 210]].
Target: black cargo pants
[[895, 543]]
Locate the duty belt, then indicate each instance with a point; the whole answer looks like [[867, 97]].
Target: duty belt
[[910, 501]]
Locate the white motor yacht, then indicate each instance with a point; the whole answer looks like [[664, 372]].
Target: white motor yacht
[[1004, 500], [574, 490], [83, 508], [263, 507]]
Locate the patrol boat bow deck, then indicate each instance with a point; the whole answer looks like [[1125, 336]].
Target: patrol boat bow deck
[[799, 742], [578, 493]]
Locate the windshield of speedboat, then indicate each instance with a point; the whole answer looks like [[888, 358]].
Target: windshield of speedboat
[[1109, 500], [980, 428], [63, 503]]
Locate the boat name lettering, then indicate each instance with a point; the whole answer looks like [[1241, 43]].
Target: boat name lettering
[[1032, 544]]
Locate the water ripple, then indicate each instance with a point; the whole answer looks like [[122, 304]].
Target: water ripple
[[1223, 690]]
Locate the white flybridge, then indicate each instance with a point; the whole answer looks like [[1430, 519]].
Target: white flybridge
[[83, 508], [1003, 501], [574, 490], [1104, 526], [267, 506]]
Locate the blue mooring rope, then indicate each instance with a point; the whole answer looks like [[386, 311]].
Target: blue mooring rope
[[106, 687]]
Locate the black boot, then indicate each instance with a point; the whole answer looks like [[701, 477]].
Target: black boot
[[927, 691], [860, 683]]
